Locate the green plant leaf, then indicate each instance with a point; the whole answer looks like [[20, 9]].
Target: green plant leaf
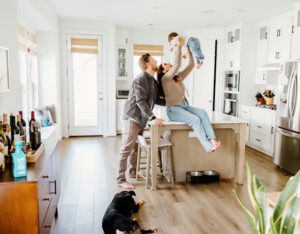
[[285, 197], [256, 188], [260, 195], [249, 215], [290, 218], [273, 229]]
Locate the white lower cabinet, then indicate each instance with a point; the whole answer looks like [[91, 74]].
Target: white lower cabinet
[[245, 113], [260, 128], [120, 109], [261, 142]]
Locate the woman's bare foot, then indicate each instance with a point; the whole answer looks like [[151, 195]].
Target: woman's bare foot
[[216, 146], [198, 66], [126, 185]]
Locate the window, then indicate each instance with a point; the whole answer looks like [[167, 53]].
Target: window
[[28, 70], [156, 51]]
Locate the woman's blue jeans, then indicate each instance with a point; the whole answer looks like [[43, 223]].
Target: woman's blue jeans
[[195, 118]]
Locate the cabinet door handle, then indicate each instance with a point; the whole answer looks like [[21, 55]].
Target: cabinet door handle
[[258, 140], [47, 226], [54, 182], [45, 177], [245, 112], [278, 54], [293, 29], [46, 199], [259, 126], [272, 130]]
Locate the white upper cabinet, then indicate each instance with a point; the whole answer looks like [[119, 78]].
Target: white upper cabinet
[[122, 36], [262, 51], [280, 39], [233, 48], [295, 45]]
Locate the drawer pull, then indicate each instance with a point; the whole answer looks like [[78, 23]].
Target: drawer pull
[[46, 199], [45, 177], [54, 182], [259, 126], [47, 226], [258, 140], [245, 112]]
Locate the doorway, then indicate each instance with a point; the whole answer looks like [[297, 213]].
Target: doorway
[[85, 85]]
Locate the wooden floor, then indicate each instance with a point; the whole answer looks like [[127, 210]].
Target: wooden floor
[[88, 174]]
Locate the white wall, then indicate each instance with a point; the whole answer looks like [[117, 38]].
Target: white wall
[[109, 84], [10, 101], [248, 63], [47, 68]]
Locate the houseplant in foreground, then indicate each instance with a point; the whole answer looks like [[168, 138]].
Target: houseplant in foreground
[[284, 217]]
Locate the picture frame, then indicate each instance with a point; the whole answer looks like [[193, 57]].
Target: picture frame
[[4, 70]]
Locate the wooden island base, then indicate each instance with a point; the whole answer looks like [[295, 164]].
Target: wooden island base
[[189, 155]]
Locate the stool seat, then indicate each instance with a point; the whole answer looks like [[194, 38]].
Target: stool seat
[[146, 143]]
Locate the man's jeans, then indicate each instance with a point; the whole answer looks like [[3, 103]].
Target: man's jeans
[[130, 132], [195, 118], [194, 45]]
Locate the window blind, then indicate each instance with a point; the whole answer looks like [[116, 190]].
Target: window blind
[[156, 50], [84, 45], [27, 40]]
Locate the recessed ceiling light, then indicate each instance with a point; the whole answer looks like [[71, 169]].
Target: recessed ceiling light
[[241, 10], [208, 11]]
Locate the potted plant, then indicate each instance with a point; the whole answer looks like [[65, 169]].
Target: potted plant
[[286, 210]]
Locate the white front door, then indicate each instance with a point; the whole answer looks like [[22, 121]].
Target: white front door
[[200, 83], [85, 94]]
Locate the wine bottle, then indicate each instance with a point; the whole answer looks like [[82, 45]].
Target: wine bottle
[[7, 133], [15, 131], [22, 131], [2, 135], [32, 123], [22, 119], [35, 134]]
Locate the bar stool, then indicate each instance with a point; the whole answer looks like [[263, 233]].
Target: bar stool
[[145, 145]]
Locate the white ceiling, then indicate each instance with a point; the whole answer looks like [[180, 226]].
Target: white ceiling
[[167, 14]]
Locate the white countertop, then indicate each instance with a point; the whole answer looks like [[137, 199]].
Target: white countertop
[[216, 118]]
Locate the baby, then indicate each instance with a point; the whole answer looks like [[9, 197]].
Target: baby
[[192, 43]]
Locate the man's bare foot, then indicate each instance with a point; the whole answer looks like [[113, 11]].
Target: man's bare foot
[[215, 147], [126, 185]]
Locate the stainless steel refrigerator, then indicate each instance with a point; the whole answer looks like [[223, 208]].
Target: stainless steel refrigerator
[[287, 135]]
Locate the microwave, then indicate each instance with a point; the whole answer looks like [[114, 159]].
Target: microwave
[[122, 93], [232, 81]]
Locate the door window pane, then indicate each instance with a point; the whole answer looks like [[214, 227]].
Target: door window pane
[[85, 89]]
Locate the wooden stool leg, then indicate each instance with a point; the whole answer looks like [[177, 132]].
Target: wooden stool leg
[[138, 162], [171, 164], [148, 152]]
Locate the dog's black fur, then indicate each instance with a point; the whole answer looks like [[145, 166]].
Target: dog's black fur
[[117, 215]]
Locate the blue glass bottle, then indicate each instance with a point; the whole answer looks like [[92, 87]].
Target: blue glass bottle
[[19, 161]]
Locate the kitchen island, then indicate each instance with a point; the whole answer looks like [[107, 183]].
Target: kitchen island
[[189, 155]]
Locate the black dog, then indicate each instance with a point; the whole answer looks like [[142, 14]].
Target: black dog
[[117, 215]]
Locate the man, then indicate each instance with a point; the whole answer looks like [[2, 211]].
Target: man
[[137, 112]]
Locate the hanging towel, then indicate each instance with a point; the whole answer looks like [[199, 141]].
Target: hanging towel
[[227, 108]]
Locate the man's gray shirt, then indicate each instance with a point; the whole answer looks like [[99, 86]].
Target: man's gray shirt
[[141, 100]]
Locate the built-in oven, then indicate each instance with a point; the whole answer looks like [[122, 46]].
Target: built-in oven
[[231, 103], [122, 93], [232, 81]]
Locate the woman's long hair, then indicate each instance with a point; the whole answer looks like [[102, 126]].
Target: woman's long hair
[[160, 75]]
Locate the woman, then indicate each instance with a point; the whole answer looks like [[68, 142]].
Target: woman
[[178, 109]]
